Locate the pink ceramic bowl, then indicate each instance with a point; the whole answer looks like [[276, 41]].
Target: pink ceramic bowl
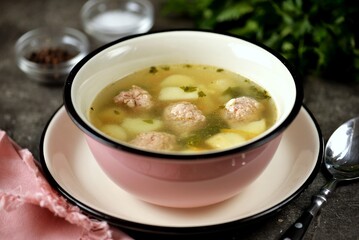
[[173, 179]]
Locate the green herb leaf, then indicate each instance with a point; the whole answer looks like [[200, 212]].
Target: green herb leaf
[[233, 91], [215, 124], [166, 68], [259, 94], [188, 88], [153, 70], [201, 94], [149, 121]]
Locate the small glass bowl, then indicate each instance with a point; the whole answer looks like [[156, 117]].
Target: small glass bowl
[[47, 55], [109, 20]]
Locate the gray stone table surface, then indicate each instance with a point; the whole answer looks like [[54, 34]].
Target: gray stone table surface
[[26, 107]]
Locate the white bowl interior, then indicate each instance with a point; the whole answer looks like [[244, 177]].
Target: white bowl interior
[[191, 47]]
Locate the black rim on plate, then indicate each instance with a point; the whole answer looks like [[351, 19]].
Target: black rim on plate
[[182, 231]]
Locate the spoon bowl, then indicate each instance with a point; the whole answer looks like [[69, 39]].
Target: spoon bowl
[[342, 162], [342, 152]]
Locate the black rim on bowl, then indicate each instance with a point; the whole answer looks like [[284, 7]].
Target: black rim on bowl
[[106, 141]]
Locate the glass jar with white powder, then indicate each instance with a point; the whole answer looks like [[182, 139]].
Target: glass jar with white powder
[[109, 20]]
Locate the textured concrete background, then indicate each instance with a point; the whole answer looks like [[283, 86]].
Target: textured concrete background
[[25, 108]]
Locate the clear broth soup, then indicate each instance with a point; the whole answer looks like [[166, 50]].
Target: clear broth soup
[[183, 108]]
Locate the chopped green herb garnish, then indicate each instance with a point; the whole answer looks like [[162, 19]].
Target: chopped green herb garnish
[[116, 112], [188, 88], [259, 94], [188, 65], [220, 70], [92, 109], [201, 94], [214, 125], [166, 68], [233, 91], [253, 91], [153, 70], [149, 121]]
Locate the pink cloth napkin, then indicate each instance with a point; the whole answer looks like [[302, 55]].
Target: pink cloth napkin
[[31, 209]]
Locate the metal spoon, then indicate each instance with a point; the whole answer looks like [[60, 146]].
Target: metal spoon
[[342, 161]]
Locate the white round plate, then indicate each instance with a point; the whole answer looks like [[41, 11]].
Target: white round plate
[[71, 169]]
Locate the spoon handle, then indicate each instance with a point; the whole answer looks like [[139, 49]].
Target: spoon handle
[[297, 230]]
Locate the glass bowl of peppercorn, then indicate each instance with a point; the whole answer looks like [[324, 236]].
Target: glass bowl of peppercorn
[[47, 55]]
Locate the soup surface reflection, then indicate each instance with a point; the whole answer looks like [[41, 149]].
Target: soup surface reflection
[[186, 108]]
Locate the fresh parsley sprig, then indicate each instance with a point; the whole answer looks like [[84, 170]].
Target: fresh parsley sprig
[[318, 37]]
